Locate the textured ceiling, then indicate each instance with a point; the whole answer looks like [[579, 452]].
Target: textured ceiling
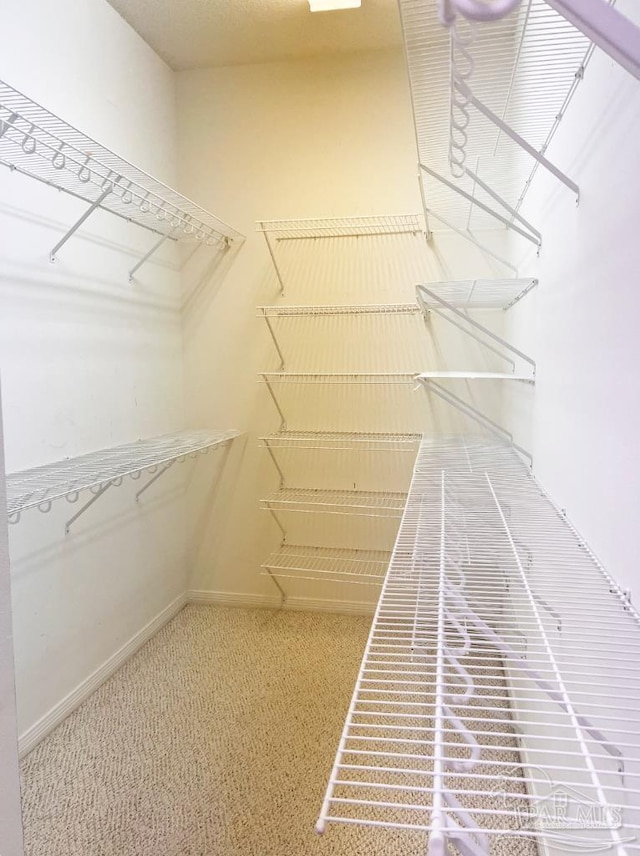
[[205, 33]]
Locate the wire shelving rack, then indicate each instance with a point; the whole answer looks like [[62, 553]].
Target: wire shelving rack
[[483, 293], [43, 146], [339, 377], [276, 231], [328, 564], [341, 227], [472, 90], [366, 503], [96, 472], [498, 674], [343, 441], [276, 311]]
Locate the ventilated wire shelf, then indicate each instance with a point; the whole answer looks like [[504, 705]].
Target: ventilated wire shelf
[[499, 677], [37, 143], [328, 564], [367, 503], [342, 227], [483, 293], [40, 486], [343, 441], [360, 309], [526, 68], [338, 377], [470, 375]]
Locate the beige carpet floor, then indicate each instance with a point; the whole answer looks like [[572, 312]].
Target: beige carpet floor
[[216, 739]]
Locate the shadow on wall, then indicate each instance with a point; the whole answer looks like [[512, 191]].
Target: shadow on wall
[[202, 276]]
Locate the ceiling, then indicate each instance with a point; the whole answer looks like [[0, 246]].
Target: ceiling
[[206, 33]]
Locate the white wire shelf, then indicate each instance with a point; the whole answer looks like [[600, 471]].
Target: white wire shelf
[[342, 227], [483, 293], [468, 375], [367, 503], [328, 564], [343, 441], [499, 673], [534, 56], [339, 377], [38, 143], [360, 309], [41, 486]]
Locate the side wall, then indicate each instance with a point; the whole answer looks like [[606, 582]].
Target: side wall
[[581, 323], [10, 815], [87, 359]]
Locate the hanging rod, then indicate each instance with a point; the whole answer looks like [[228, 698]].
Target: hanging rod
[[98, 471], [498, 673], [39, 144]]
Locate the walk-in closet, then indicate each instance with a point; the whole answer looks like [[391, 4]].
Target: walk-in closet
[[320, 432]]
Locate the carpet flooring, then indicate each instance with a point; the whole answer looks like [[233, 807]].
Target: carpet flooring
[[216, 739]]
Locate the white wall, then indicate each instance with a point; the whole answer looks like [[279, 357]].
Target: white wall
[[10, 815], [87, 359], [581, 322], [323, 137]]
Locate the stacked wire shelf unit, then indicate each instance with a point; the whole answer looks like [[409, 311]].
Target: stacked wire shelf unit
[[497, 697], [319, 562]]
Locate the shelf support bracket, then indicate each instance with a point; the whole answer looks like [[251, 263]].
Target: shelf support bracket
[[497, 198], [427, 310], [148, 255], [473, 413], [423, 290], [508, 130], [274, 580], [279, 524], [87, 505], [467, 236], [275, 263], [472, 199], [154, 479], [275, 341], [283, 421], [275, 461], [425, 210], [78, 223]]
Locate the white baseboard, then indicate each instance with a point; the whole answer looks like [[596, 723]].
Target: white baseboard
[[304, 604], [39, 730]]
